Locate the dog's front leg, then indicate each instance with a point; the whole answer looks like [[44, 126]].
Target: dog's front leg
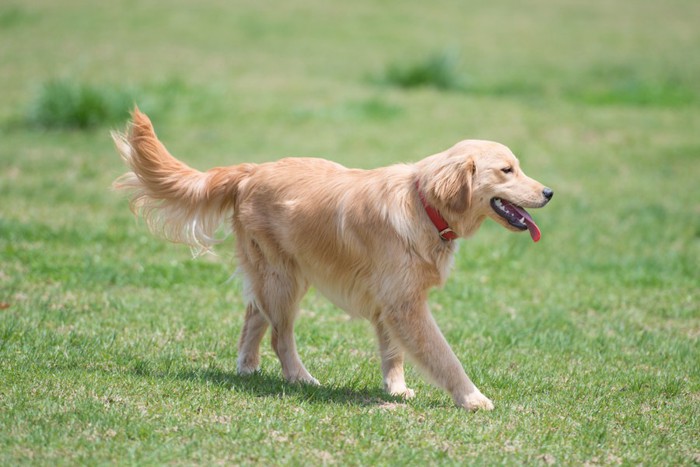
[[415, 329], [392, 364]]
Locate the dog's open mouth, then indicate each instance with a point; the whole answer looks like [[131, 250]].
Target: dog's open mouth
[[516, 216]]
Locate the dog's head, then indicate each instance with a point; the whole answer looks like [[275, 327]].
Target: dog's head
[[478, 179]]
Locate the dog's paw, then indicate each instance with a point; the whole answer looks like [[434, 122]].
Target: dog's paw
[[475, 401], [312, 381], [403, 392], [303, 379], [245, 370], [247, 364]]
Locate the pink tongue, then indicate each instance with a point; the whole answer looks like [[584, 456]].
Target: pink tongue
[[534, 230], [531, 226]]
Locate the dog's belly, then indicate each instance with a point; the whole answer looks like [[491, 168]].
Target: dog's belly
[[347, 294]]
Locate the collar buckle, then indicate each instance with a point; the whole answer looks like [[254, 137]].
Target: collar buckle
[[447, 234], [444, 230]]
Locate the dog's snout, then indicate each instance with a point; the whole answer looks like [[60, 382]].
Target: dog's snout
[[548, 193]]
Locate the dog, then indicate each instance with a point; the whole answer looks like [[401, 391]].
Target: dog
[[374, 242]]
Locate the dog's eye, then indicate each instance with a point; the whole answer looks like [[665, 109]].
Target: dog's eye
[[507, 170]]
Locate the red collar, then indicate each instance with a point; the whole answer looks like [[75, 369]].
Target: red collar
[[445, 232]]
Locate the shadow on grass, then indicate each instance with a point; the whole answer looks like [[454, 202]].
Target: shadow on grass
[[97, 354], [261, 384]]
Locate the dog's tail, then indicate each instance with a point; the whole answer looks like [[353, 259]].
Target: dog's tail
[[179, 203]]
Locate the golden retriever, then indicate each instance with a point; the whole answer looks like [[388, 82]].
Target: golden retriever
[[373, 241]]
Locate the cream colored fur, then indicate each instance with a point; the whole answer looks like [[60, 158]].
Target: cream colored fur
[[361, 237]]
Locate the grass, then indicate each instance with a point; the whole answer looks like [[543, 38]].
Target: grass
[[119, 348], [626, 85], [66, 104], [439, 70]]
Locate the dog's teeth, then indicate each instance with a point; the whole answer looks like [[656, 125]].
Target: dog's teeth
[[522, 220]]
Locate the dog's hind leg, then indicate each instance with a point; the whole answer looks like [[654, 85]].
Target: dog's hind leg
[[254, 328], [282, 294], [285, 347], [274, 290], [392, 364], [412, 325], [277, 293]]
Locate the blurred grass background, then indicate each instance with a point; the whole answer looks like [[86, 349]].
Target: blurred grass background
[[117, 347]]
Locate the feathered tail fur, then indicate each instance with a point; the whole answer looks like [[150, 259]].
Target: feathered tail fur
[[178, 202]]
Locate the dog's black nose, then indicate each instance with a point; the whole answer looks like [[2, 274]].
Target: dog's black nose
[[548, 193]]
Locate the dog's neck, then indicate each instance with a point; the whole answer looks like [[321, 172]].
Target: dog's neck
[[443, 228]]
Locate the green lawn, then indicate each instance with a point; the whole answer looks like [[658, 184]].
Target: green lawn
[[118, 348]]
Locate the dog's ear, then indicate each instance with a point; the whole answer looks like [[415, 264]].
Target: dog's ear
[[452, 184]]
